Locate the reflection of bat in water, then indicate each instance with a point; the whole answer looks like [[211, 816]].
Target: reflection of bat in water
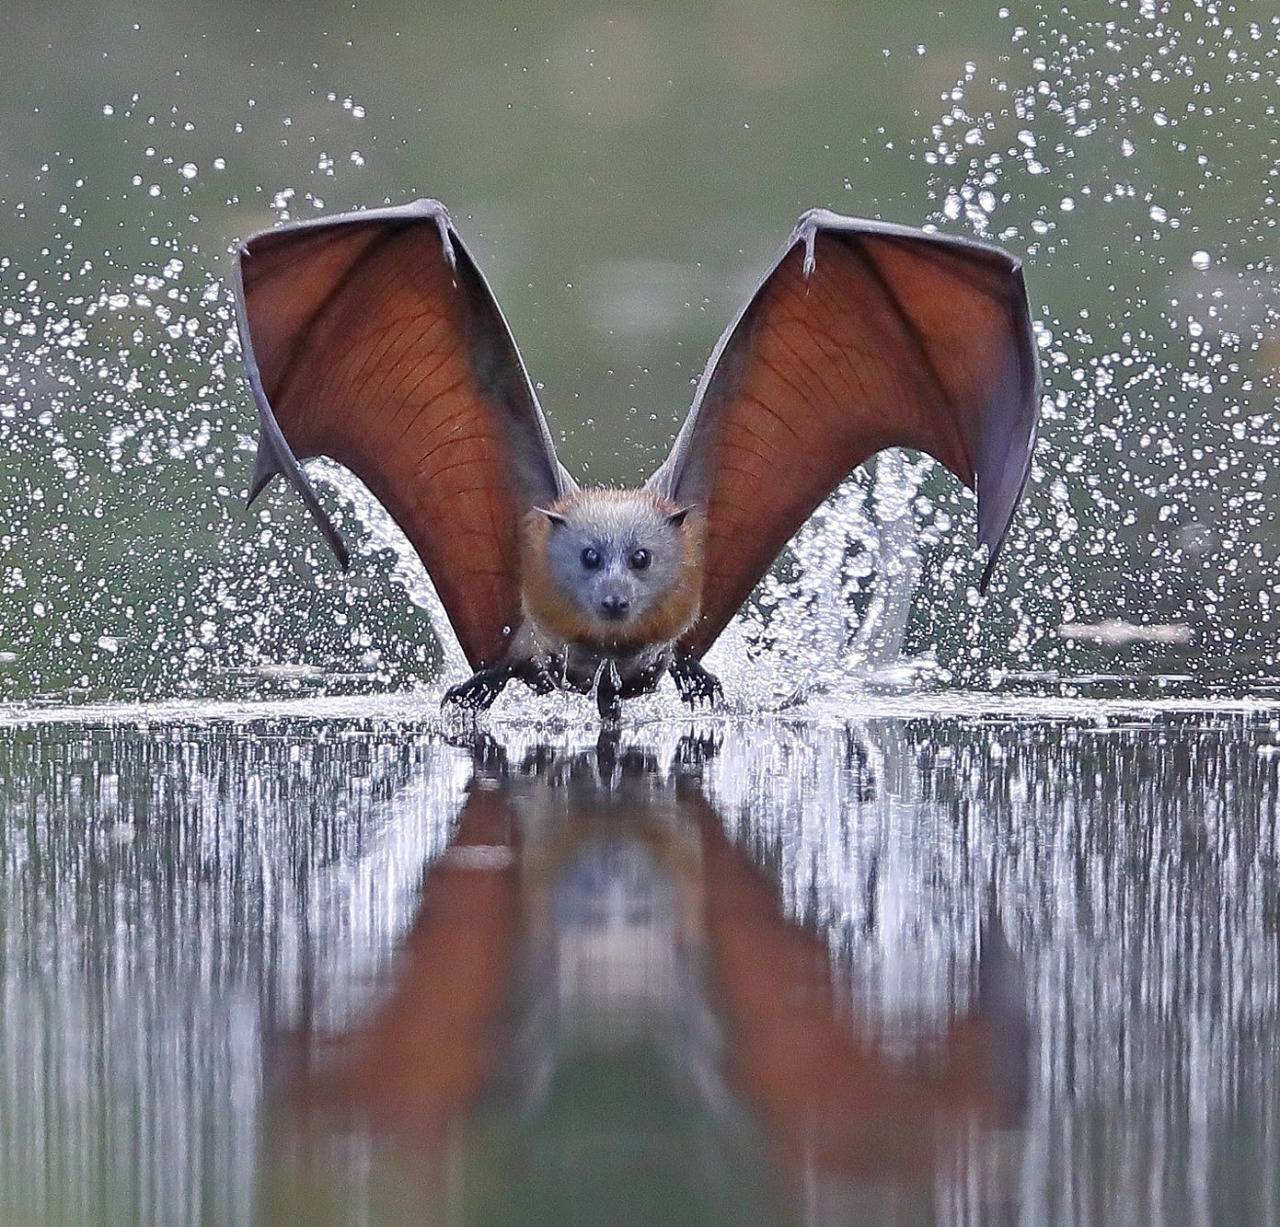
[[373, 338], [595, 904]]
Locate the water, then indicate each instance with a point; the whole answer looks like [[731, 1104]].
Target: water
[[962, 910], [923, 969]]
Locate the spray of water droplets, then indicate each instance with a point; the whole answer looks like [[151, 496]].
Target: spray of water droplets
[[1127, 151]]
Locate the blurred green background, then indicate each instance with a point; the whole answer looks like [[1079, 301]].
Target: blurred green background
[[624, 174]]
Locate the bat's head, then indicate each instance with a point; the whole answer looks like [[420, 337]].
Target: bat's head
[[614, 568]]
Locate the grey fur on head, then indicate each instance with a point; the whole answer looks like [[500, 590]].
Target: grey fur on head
[[615, 557]]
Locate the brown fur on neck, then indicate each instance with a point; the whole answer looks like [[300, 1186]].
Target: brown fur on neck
[[552, 614]]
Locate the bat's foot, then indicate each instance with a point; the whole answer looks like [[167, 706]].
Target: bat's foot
[[610, 708], [609, 693], [478, 692], [694, 683], [537, 675]]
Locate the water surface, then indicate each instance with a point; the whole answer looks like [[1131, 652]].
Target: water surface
[[992, 967]]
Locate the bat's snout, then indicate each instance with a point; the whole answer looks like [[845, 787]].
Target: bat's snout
[[615, 608]]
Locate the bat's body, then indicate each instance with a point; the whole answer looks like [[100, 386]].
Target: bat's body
[[373, 338], [609, 581]]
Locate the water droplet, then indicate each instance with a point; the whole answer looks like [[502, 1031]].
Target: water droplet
[[1201, 259]]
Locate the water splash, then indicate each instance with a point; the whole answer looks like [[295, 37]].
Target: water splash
[[835, 612], [1098, 144], [1102, 147]]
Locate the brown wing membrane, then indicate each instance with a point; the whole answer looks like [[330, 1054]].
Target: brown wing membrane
[[862, 336], [372, 338]]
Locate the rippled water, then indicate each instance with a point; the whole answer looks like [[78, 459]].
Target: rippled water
[[921, 969]]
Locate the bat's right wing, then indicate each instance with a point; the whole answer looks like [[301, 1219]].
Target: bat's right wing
[[862, 336], [372, 338]]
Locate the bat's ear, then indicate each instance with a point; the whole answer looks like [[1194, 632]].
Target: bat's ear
[[676, 518], [557, 520]]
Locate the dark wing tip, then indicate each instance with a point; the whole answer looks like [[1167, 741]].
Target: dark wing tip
[[1007, 437], [996, 515], [271, 461]]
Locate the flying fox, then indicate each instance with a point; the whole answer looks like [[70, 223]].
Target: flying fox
[[373, 338]]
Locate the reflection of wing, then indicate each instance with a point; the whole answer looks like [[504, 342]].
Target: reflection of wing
[[862, 336], [422, 1059], [836, 1096], [372, 338]]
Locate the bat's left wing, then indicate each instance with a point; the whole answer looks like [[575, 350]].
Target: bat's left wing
[[372, 338], [863, 335]]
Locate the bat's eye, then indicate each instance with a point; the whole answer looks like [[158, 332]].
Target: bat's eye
[[591, 559], [639, 559]]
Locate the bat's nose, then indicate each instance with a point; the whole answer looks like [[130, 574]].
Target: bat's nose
[[614, 607]]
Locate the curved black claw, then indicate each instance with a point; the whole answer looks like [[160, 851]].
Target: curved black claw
[[537, 676], [478, 692], [694, 683]]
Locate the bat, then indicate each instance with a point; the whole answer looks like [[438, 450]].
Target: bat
[[373, 338]]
